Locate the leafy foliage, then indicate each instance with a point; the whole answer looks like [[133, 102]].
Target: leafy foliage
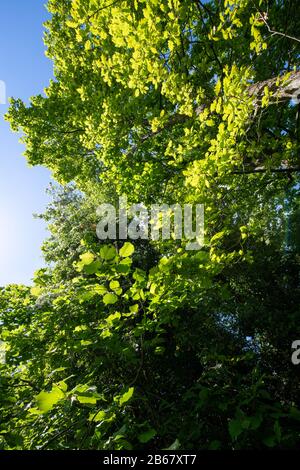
[[143, 344]]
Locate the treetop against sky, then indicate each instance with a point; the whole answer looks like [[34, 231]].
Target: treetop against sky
[[144, 344]]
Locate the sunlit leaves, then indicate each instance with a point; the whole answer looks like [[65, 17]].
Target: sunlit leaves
[[123, 399], [85, 394], [46, 400], [98, 417], [115, 286], [36, 291], [87, 258], [126, 250], [110, 298], [153, 100]]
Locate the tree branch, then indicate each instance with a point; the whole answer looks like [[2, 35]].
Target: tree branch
[[263, 17], [102, 8], [266, 170], [281, 88], [284, 90]]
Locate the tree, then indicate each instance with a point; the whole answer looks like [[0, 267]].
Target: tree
[[166, 102]]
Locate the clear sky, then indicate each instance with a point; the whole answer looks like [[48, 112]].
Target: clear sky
[[26, 72]]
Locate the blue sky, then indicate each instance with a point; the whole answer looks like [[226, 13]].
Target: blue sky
[[26, 72]]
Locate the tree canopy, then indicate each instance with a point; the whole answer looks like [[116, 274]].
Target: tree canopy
[[143, 344]]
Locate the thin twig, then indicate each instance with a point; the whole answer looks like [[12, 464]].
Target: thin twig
[[278, 33], [60, 433], [265, 170], [102, 8]]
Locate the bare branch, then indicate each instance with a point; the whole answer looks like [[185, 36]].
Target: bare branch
[[263, 17]]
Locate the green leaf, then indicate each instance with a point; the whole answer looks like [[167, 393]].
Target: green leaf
[[147, 436], [46, 400], [86, 394], [295, 413], [100, 289], [134, 308], [87, 400], [93, 267], [255, 421], [124, 266], [113, 317], [114, 285], [63, 386], [235, 427], [217, 236], [126, 250], [87, 258], [277, 431], [122, 444], [100, 416], [36, 291], [174, 446], [139, 275], [126, 396], [108, 252], [35, 411], [110, 298]]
